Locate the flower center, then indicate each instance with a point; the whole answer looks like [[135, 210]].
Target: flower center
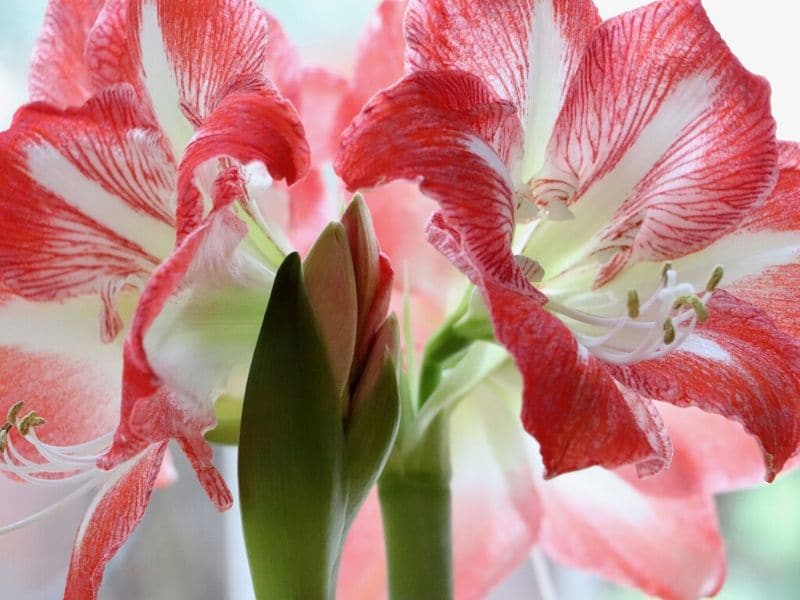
[[46, 464], [623, 328]]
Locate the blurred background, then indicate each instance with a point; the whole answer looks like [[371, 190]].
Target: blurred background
[[184, 549]]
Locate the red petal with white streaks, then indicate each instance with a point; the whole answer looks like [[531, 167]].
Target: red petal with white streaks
[[448, 132], [251, 122], [58, 73], [113, 515], [756, 375], [524, 50], [151, 412], [186, 53], [571, 405], [86, 205], [670, 548], [379, 60], [664, 142]]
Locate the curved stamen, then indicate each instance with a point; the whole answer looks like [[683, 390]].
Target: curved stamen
[[644, 330]]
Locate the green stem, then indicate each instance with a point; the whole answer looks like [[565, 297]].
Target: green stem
[[415, 504]]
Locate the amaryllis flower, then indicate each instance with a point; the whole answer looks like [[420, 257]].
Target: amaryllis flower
[[597, 181], [151, 121], [658, 534]]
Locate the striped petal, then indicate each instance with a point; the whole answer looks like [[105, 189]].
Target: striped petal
[[448, 132], [187, 54], [86, 205], [756, 379], [58, 73], [110, 519], [526, 51], [571, 405], [664, 142]]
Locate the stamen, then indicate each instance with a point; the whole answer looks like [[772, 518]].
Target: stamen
[[28, 422], [665, 273], [532, 270], [13, 412], [716, 277], [669, 332], [633, 304]]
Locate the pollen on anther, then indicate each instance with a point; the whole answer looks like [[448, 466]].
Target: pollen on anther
[[669, 331], [667, 268], [633, 304], [13, 412], [28, 422], [716, 277]]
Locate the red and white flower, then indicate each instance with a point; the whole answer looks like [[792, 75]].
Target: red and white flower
[[135, 189], [597, 181]]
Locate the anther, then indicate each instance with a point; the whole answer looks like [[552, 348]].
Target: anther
[[633, 304], [669, 331], [716, 277], [13, 412], [667, 268], [28, 422], [3, 439], [699, 308]]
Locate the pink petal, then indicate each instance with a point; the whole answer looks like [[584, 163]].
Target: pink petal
[[711, 454], [322, 93], [58, 73], [526, 51], [111, 518], [86, 204], [664, 139], [52, 358], [379, 60], [571, 405], [755, 375], [670, 548], [446, 131]]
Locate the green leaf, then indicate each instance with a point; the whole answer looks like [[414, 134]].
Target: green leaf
[[370, 436], [291, 451]]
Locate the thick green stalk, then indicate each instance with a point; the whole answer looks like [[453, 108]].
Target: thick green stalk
[[415, 504]]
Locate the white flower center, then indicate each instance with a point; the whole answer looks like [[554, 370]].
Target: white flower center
[[51, 465]]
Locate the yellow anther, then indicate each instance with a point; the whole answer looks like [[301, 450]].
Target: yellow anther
[[633, 304], [716, 277], [3, 439], [28, 422], [13, 412], [669, 331], [699, 308]]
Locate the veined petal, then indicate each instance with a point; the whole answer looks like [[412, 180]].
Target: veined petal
[[667, 547], [86, 205], [756, 379], [110, 519], [571, 405], [186, 54], [664, 142], [251, 123], [448, 132], [526, 51], [379, 60], [58, 73], [188, 336], [52, 359]]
